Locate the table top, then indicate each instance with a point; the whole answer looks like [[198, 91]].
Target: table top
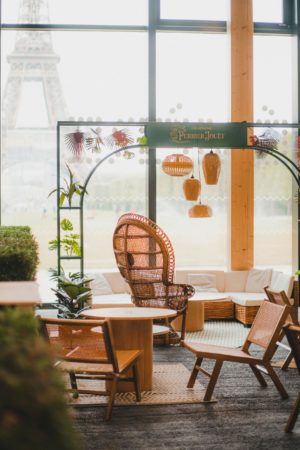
[[135, 313]]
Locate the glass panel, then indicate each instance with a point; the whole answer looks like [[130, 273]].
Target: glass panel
[[102, 12], [117, 186], [268, 11], [273, 102], [100, 80], [195, 90], [194, 9]]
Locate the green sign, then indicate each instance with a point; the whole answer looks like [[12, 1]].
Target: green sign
[[205, 135]]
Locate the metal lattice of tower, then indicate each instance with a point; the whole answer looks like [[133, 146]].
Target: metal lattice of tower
[[33, 59]]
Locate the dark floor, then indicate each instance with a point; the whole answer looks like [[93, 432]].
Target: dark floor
[[245, 416]]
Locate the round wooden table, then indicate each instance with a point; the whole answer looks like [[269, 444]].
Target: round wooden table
[[132, 330]]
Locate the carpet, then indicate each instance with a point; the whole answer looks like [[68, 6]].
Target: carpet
[[279, 363], [169, 387], [220, 332]]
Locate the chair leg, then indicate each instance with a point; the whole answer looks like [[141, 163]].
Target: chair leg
[[273, 375], [136, 381], [293, 416], [213, 380], [113, 389], [194, 373], [183, 325], [287, 361], [259, 376], [73, 382]]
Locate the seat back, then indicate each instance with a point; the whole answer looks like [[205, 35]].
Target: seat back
[[280, 298], [145, 258], [266, 327], [78, 340], [293, 336]]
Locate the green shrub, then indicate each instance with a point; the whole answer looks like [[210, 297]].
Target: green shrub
[[18, 254], [33, 411]]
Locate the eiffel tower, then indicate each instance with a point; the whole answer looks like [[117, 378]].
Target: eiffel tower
[[33, 59]]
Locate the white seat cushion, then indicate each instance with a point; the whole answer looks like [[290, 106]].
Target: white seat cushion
[[247, 298], [206, 282]]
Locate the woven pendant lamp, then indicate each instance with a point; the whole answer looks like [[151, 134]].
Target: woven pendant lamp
[[200, 211], [211, 165], [192, 188], [177, 165]]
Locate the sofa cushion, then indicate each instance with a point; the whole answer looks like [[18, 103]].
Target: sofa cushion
[[257, 280], [99, 284], [203, 282], [247, 298], [182, 276], [282, 282], [235, 281], [112, 301]]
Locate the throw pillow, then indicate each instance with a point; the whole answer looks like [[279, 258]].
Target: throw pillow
[[282, 282], [99, 285], [258, 279], [203, 282]]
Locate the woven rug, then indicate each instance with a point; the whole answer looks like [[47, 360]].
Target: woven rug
[[220, 332], [279, 363], [169, 386]]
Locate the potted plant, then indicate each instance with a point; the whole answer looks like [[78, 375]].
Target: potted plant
[[73, 293]]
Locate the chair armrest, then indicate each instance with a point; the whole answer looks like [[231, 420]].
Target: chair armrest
[[178, 295]]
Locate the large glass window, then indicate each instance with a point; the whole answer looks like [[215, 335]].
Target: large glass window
[[192, 85], [194, 9], [268, 11], [273, 101], [101, 12]]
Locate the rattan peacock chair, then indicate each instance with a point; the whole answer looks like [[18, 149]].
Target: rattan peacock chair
[[145, 258]]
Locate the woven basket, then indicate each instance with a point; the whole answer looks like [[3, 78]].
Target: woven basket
[[219, 309], [245, 314]]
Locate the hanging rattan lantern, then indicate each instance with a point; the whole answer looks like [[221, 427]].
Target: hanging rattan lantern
[[191, 188], [177, 165], [200, 211], [211, 165]]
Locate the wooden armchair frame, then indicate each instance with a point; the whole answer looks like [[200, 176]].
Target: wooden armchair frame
[[145, 258], [280, 298], [85, 350], [293, 336], [264, 332]]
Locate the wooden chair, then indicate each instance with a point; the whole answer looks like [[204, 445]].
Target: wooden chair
[[280, 298], [145, 258], [264, 332], [293, 336], [85, 349]]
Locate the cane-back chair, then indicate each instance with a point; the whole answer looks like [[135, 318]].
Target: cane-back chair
[[145, 258], [264, 333], [280, 298], [85, 350], [293, 336]]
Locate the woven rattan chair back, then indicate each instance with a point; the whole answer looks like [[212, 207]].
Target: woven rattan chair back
[[280, 298], [266, 327], [80, 340], [145, 258]]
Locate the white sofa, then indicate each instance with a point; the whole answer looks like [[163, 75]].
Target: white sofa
[[243, 290]]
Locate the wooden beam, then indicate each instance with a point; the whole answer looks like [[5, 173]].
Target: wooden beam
[[242, 161]]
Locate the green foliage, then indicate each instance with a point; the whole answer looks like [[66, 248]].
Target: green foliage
[[71, 187], [18, 254], [69, 242], [73, 295], [33, 410], [143, 140]]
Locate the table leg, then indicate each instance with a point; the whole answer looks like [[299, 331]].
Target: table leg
[[194, 317], [135, 335]]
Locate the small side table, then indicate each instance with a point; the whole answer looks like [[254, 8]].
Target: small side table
[[195, 312]]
